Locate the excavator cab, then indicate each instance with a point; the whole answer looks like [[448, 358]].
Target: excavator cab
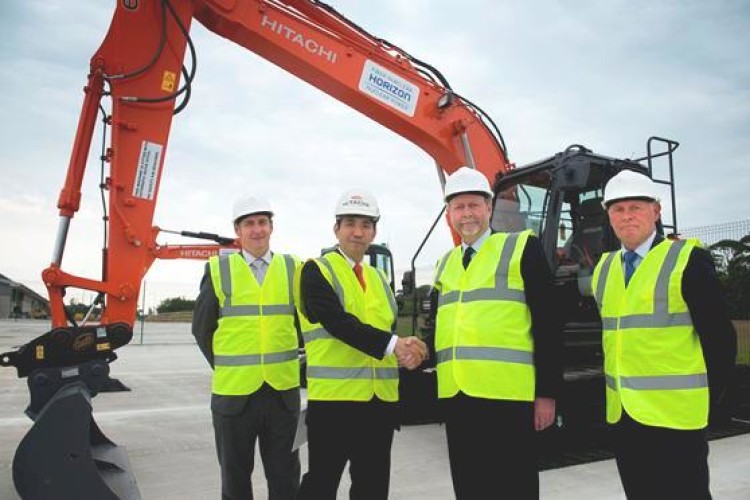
[[559, 198]]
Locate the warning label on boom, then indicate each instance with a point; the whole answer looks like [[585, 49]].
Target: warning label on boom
[[148, 171]]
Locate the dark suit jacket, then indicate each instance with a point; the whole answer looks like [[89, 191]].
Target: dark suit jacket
[[205, 323], [323, 306]]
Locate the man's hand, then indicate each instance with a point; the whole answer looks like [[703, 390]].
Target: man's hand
[[410, 351], [544, 413]]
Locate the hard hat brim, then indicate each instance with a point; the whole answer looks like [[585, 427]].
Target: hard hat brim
[[362, 216], [608, 203], [239, 218], [484, 194]]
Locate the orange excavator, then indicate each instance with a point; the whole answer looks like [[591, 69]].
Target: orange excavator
[[141, 68]]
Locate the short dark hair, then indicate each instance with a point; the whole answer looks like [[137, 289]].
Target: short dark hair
[[356, 216]]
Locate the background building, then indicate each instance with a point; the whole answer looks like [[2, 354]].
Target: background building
[[19, 301]]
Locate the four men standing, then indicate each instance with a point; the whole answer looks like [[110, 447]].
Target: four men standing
[[669, 351]]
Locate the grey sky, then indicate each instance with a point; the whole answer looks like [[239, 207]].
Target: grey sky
[[606, 74]]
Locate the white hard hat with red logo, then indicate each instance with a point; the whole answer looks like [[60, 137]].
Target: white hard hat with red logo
[[467, 180], [357, 202], [250, 205], [629, 185]]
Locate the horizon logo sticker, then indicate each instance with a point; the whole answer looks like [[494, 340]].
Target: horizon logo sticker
[[309, 44], [389, 88]]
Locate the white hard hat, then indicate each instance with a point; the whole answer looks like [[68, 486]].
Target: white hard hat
[[357, 202], [466, 180], [629, 185], [249, 205]]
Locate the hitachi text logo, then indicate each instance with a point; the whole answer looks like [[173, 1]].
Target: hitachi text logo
[[310, 45], [194, 253]]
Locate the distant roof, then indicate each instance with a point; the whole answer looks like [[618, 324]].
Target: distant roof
[[26, 290]]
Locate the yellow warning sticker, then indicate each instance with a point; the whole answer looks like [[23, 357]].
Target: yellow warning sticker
[[168, 81], [40, 352]]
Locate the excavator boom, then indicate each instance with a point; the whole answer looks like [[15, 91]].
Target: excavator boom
[[140, 66]]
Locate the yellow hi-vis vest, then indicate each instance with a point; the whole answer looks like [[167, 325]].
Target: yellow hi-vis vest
[[256, 340], [653, 361], [335, 370], [483, 341]]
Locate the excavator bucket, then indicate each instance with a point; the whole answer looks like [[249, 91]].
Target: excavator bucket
[[65, 455]]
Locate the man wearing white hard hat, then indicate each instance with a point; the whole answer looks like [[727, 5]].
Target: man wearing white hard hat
[[347, 313], [669, 347], [245, 324], [497, 347]]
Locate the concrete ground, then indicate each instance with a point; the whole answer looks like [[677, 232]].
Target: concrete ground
[[165, 425]]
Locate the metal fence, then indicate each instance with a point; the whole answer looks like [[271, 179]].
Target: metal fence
[[709, 235]]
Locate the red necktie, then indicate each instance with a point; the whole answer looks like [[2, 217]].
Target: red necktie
[[360, 276]]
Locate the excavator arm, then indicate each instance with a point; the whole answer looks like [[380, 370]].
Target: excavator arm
[[140, 67]]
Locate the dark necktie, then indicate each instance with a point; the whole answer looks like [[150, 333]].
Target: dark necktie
[[360, 276], [629, 257], [468, 254]]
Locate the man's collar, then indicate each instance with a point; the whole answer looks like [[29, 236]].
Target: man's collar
[[477, 243], [266, 257], [644, 247], [346, 257]]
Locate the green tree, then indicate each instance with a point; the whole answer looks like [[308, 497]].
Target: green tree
[[733, 266], [80, 309], [175, 304]]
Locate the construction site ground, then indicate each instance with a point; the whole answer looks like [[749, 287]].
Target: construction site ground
[[164, 423]]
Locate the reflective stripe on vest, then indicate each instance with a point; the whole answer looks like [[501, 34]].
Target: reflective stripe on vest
[[483, 325], [501, 291], [335, 370], [662, 383], [485, 354], [338, 373], [255, 341], [654, 365], [661, 317], [228, 310], [255, 359], [320, 332]]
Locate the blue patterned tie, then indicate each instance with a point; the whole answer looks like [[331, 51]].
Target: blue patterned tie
[[629, 257]]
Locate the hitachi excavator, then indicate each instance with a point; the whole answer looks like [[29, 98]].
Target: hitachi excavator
[[139, 69]]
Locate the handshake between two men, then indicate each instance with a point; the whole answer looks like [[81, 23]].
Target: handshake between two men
[[411, 352]]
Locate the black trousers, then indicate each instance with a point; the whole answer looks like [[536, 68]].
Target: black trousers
[[659, 463], [270, 418], [360, 433], [502, 430]]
